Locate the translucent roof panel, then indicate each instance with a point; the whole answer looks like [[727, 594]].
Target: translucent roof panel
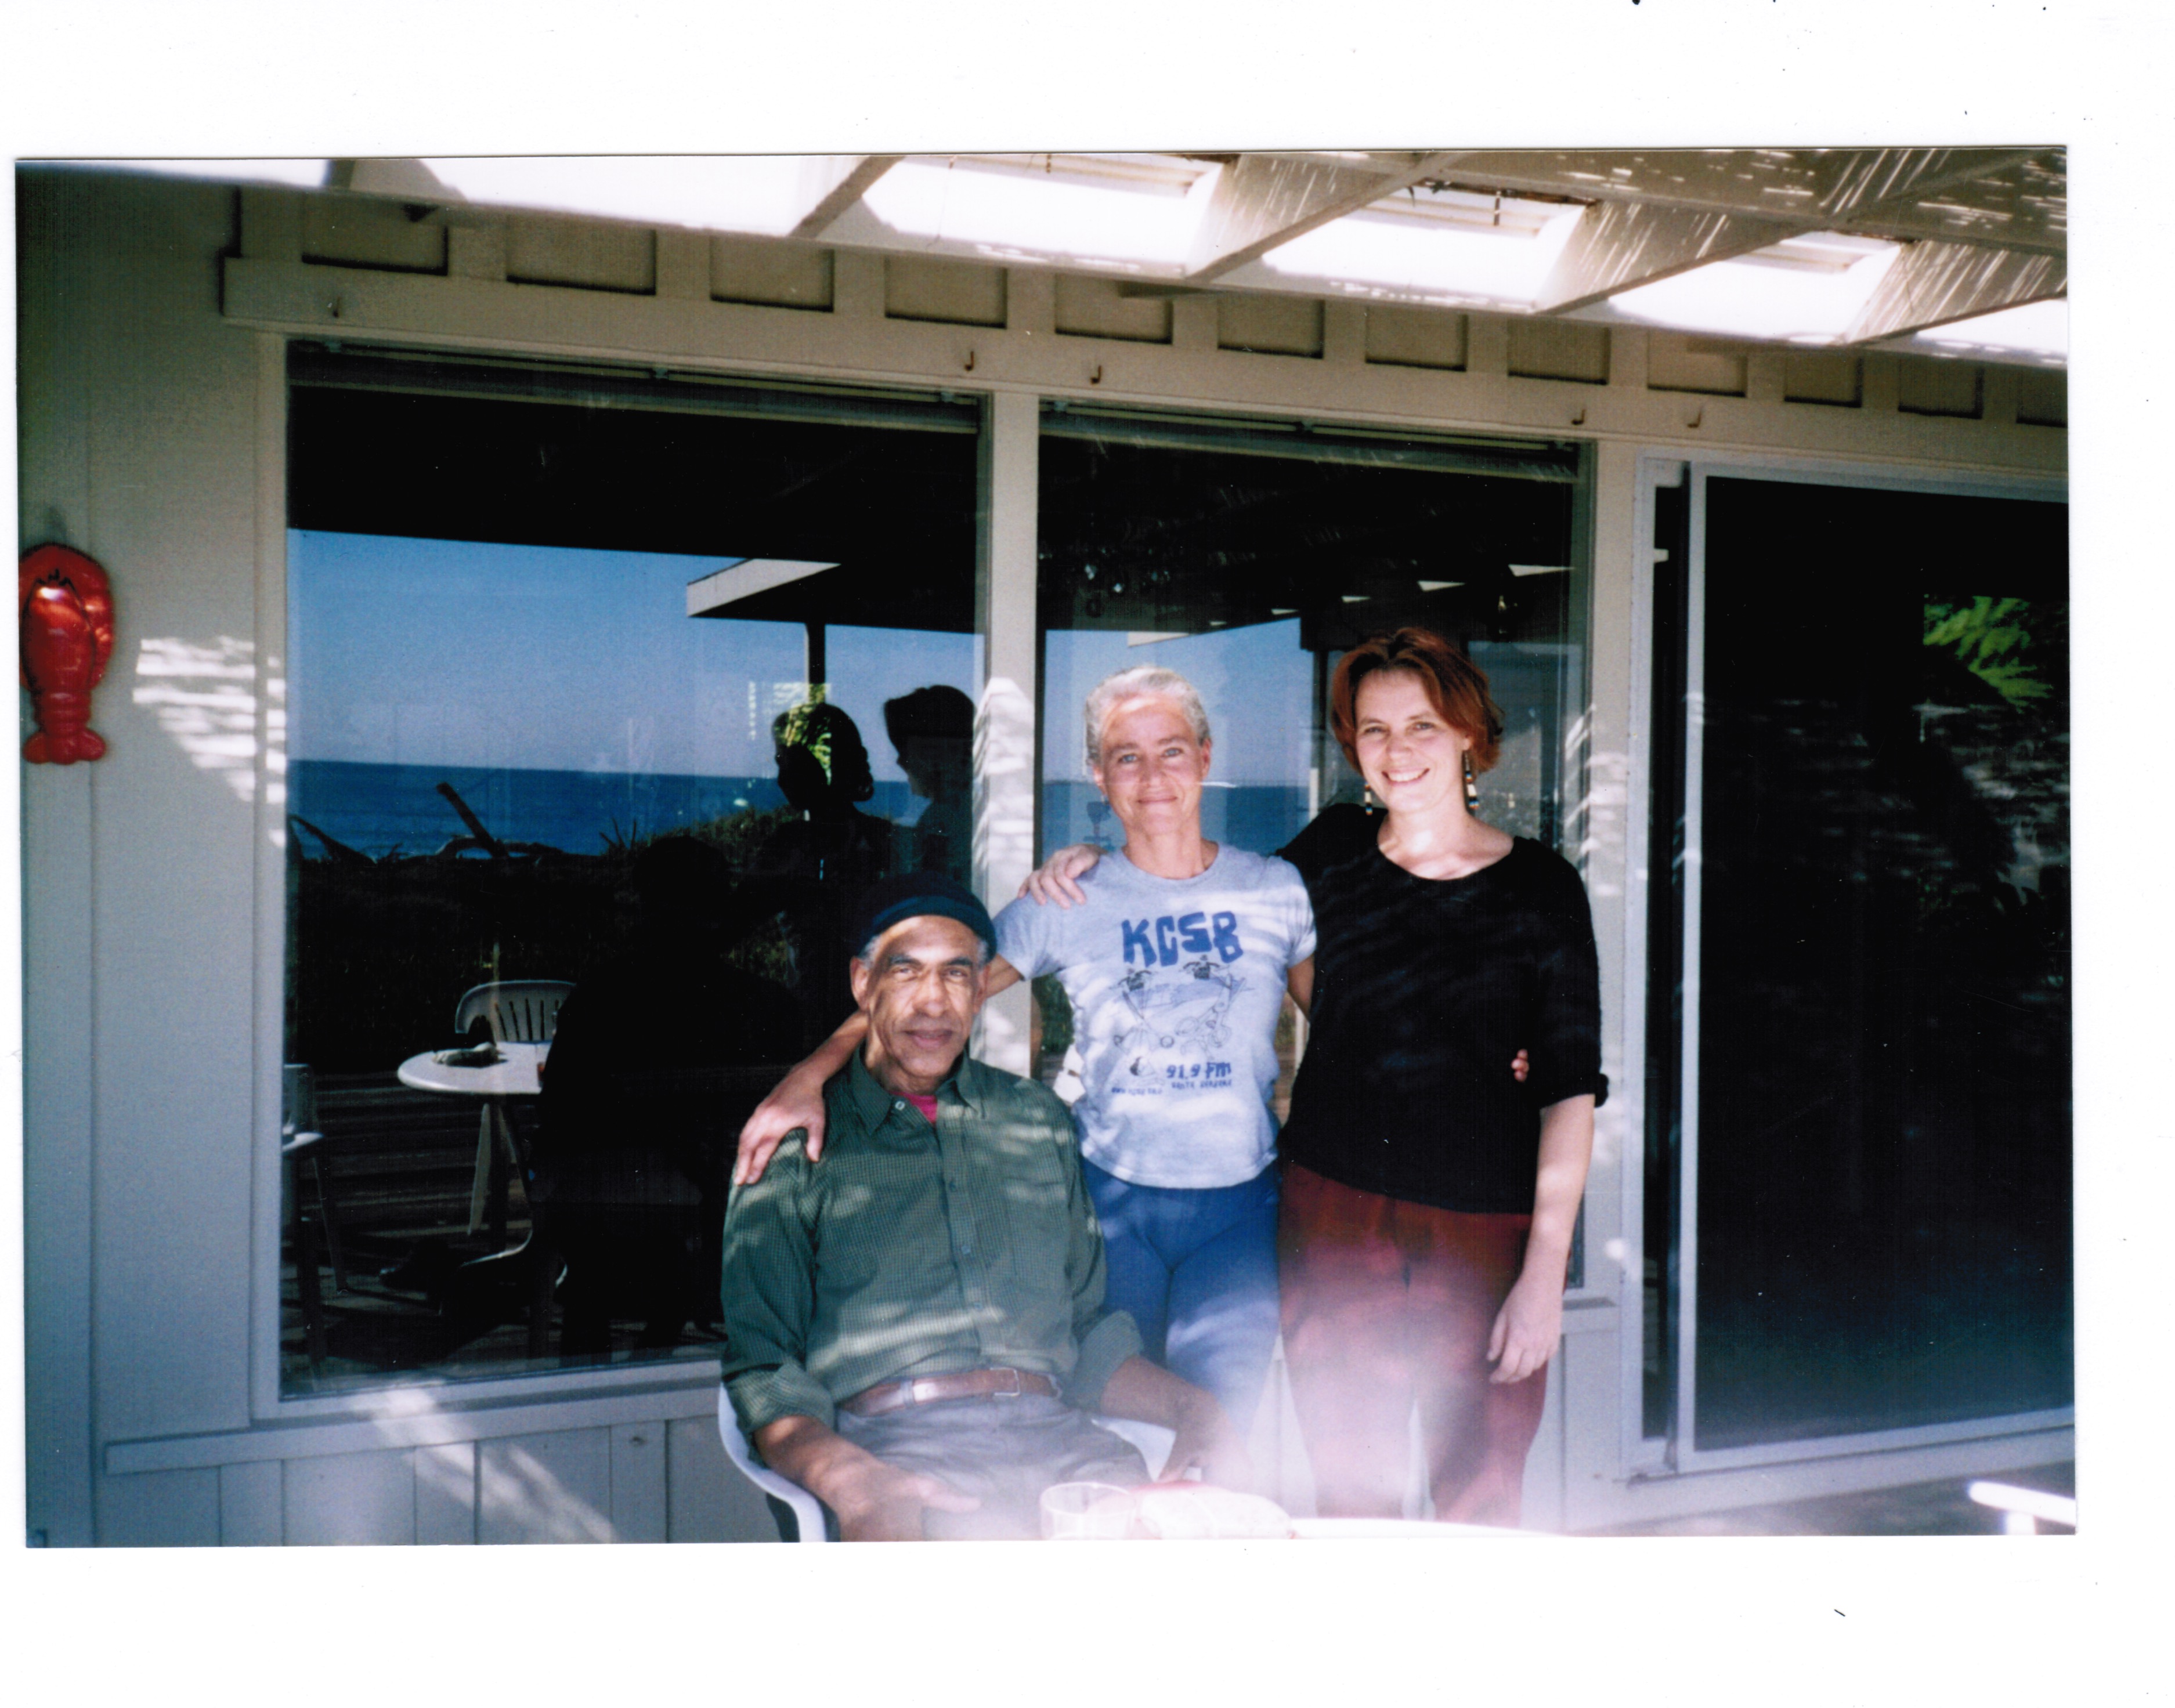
[[764, 195], [1453, 247], [1808, 289], [2036, 334], [1126, 214]]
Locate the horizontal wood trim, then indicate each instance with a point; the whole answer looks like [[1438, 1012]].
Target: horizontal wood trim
[[325, 302], [393, 1417]]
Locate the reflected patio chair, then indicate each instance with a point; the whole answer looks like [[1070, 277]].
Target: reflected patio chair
[[517, 1011], [514, 1011], [307, 1225]]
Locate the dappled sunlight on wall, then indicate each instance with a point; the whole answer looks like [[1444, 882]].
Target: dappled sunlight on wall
[[204, 695], [516, 1486]]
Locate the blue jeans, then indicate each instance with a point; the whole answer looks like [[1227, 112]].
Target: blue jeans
[[1196, 1271]]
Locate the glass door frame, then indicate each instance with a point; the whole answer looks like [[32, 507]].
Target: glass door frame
[[1658, 469]]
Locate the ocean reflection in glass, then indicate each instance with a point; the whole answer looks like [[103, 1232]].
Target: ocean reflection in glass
[[521, 663]]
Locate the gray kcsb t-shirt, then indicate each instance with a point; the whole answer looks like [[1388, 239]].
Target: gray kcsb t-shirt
[[1176, 984]]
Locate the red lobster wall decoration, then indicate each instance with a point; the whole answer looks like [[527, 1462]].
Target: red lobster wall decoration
[[65, 606]]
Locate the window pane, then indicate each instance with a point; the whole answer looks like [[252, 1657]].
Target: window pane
[[632, 699], [1248, 559], [1884, 1190]]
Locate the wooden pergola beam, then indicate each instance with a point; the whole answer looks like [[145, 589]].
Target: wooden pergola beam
[[1931, 284], [1652, 216], [1863, 181], [1806, 189], [1261, 201], [831, 183]]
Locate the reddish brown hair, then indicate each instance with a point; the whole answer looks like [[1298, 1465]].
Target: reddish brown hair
[[1454, 683]]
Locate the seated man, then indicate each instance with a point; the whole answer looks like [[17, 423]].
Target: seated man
[[914, 1326]]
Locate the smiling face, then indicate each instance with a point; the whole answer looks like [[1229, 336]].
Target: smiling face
[[1413, 757], [921, 985], [1151, 768]]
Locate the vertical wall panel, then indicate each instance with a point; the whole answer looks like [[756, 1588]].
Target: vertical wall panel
[[250, 1502], [351, 1498], [1586, 1370], [158, 1508], [637, 1481], [709, 1500], [445, 1494], [1004, 726], [172, 458], [554, 1487], [53, 497]]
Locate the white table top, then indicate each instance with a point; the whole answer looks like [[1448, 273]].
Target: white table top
[[514, 1076], [1393, 1530]]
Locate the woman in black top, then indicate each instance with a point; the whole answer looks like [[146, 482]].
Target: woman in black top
[[1429, 1197]]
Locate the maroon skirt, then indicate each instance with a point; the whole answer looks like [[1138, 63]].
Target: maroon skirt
[[1385, 1304]]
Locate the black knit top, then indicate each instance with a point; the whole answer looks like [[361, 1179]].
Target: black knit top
[[1424, 988]]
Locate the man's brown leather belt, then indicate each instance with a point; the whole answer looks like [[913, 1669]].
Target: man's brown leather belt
[[960, 1385]]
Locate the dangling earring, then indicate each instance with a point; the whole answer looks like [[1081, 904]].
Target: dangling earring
[[1472, 788], [1367, 796]]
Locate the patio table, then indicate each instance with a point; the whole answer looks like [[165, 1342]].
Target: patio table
[[517, 1073]]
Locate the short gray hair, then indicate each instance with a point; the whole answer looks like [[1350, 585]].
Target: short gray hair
[[1141, 682]]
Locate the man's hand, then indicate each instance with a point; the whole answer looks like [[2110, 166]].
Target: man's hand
[[1527, 1328], [1056, 879], [796, 1104], [874, 1502], [1520, 1065], [882, 1503]]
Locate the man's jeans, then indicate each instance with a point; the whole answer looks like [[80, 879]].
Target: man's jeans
[[1003, 1451], [1196, 1271]]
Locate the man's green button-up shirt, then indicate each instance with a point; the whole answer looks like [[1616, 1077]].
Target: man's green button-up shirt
[[913, 1249]]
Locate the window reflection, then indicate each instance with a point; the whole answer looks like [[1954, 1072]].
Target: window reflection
[[1249, 557], [597, 701]]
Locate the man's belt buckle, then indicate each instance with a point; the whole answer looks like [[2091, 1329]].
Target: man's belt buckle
[[1011, 1393]]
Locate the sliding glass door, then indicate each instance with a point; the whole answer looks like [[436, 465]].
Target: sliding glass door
[[1859, 1017]]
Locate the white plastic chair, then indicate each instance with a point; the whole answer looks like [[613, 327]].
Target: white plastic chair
[[792, 1506], [804, 1512]]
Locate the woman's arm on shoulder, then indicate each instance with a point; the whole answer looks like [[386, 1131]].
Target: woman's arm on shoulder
[[1057, 878], [795, 1102]]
